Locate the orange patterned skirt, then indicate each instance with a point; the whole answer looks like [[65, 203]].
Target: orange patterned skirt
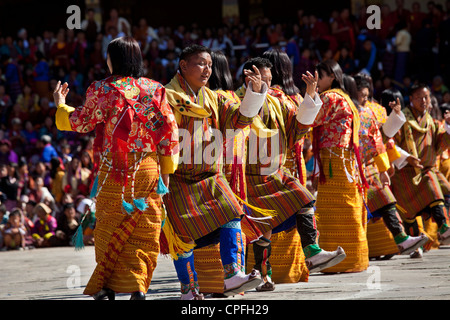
[[340, 212], [126, 245]]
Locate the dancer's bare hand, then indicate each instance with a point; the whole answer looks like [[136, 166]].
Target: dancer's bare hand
[[396, 106], [255, 78], [415, 162], [60, 93], [385, 180], [311, 83]]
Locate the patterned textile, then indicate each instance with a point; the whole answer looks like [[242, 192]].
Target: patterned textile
[[126, 246], [294, 156], [378, 110], [280, 192], [200, 198], [269, 184], [209, 269], [337, 125], [341, 216], [370, 139], [429, 139], [334, 120], [106, 105], [380, 239], [278, 117], [377, 195], [415, 198], [287, 258]]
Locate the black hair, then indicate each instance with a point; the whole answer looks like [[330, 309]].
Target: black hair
[[258, 62], [390, 95], [362, 83], [417, 87], [126, 57], [220, 76], [351, 88], [68, 205], [281, 71], [366, 78], [331, 67], [191, 50], [15, 212]]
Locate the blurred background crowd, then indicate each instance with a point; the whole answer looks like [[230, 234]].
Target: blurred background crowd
[[46, 174]]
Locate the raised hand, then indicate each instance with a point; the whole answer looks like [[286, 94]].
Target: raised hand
[[396, 106], [255, 78], [60, 93], [311, 83]]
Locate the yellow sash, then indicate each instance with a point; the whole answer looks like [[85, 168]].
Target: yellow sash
[[183, 105], [258, 126]]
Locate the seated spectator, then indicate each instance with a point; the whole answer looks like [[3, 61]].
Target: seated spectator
[[9, 184], [45, 226], [14, 231], [67, 227]]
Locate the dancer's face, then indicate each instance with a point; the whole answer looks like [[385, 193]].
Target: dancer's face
[[325, 81], [420, 100], [363, 96], [196, 70]]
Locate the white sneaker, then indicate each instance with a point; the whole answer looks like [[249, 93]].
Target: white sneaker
[[444, 238], [411, 244], [241, 282], [325, 259]]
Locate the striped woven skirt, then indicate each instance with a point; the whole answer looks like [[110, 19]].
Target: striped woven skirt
[[209, 268], [198, 207], [380, 239], [378, 196], [415, 198], [126, 245], [340, 212], [280, 192]]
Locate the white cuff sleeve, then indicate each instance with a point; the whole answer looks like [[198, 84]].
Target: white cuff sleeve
[[253, 101], [393, 123], [308, 110], [401, 162]]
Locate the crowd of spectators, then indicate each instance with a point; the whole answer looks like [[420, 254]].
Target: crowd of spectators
[[46, 174]]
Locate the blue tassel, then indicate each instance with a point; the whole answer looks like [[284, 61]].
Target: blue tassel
[[127, 206], [161, 189], [94, 188], [140, 204], [77, 239]]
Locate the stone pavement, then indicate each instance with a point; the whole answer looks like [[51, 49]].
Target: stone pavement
[[62, 273]]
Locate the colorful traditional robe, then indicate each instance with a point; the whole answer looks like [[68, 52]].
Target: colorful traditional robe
[[200, 199], [269, 183], [135, 129], [415, 190], [341, 217]]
